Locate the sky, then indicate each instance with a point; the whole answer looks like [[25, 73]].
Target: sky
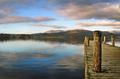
[[39, 16]]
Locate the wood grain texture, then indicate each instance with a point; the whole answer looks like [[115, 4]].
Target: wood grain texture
[[110, 68]]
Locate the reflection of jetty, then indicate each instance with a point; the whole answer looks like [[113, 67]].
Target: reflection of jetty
[[102, 61]]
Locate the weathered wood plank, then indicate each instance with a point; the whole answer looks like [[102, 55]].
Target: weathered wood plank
[[110, 62]]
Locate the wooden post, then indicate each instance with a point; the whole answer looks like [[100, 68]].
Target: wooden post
[[113, 39], [97, 50], [104, 39], [86, 41], [86, 44]]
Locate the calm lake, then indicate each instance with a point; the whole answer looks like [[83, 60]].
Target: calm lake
[[30, 59]]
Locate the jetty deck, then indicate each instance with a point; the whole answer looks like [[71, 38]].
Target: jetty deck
[[110, 62]]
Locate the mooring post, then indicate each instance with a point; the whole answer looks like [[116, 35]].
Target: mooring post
[[86, 41], [86, 44], [104, 39], [113, 39], [97, 51]]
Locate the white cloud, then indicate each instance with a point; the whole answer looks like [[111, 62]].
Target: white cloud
[[21, 19], [97, 11]]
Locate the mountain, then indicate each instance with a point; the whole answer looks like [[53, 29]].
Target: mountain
[[70, 36], [53, 31], [115, 32]]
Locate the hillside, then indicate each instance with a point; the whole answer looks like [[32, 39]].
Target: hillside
[[71, 36]]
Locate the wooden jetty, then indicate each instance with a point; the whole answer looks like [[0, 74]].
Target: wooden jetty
[[102, 61]]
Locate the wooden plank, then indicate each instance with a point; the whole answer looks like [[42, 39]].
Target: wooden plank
[[110, 62]]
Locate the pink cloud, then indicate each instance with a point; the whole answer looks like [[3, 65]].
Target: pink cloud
[[49, 25], [98, 11], [100, 24], [6, 11], [21, 19]]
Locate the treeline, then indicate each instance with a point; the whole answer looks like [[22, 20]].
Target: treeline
[[14, 36], [72, 36]]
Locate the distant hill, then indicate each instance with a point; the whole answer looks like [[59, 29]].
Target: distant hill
[[115, 32], [71, 36], [53, 31]]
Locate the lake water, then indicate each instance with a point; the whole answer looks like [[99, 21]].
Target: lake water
[[30, 59], [117, 43]]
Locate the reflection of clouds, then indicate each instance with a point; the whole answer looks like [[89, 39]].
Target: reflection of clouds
[[9, 58], [116, 43], [19, 56], [32, 46], [26, 45], [38, 54], [71, 63]]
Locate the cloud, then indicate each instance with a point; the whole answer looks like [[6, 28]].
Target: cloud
[[74, 9], [49, 26], [101, 11], [113, 24], [10, 7], [81, 2], [21, 19], [9, 11], [6, 11], [13, 3], [87, 9]]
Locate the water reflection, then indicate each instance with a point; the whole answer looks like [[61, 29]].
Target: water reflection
[[40, 60], [117, 43]]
